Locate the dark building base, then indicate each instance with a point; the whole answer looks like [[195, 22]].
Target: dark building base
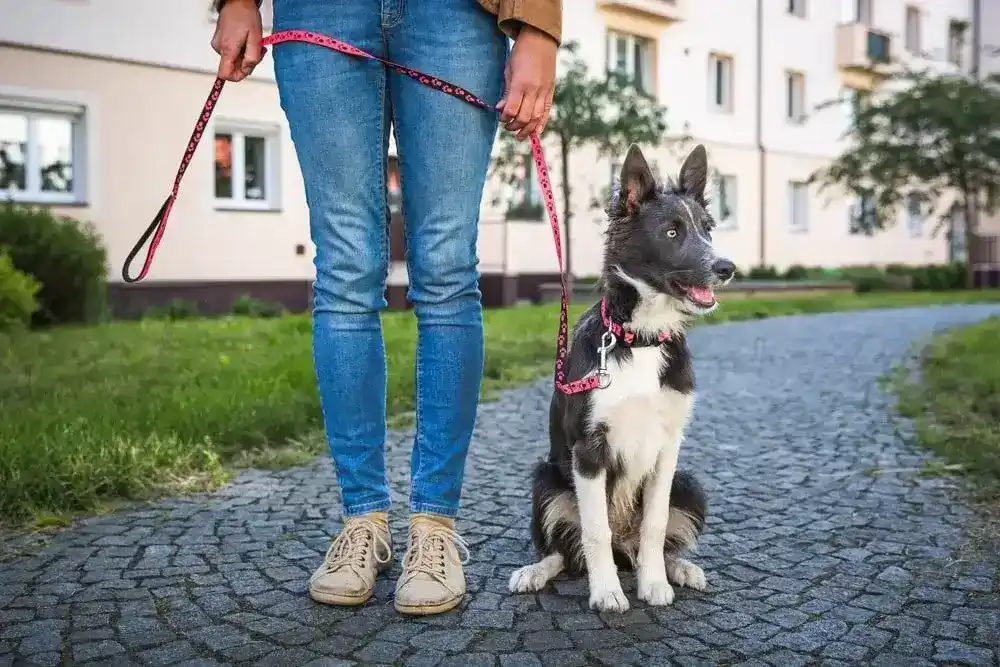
[[217, 298], [986, 277]]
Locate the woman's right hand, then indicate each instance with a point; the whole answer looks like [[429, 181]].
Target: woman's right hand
[[237, 39]]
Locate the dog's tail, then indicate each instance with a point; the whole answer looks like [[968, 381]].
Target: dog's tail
[[688, 509]]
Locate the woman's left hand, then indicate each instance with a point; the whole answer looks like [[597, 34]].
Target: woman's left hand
[[529, 80]]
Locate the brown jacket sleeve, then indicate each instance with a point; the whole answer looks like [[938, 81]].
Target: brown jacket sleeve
[[544, 15]]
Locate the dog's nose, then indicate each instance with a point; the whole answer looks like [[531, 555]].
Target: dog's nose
[[723, 269]]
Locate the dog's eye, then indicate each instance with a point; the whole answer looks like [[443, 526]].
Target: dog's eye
[[671, 233]]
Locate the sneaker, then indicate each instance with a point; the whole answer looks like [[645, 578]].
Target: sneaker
[[361, 550], [432, 581]]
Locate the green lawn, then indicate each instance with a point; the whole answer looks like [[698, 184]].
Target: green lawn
[[956, 401], [129, 410]]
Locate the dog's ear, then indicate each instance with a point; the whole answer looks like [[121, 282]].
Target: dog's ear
[[637, 182], [694, 173]]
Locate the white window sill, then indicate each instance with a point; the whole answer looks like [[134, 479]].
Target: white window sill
[[42, 199], [236, 205]]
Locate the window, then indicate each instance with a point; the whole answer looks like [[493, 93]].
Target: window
[[795, 87], [526, 202], [861, 214], [852, 98], [862, 11], [41, 152], [720, 76], [798, 206], [723, 201], [246, 165], [956, 42], [914, 214], [632, 57], [913, 30], [797, 8]]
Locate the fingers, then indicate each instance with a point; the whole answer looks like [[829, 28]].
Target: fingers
[[510, 107], [252, 55], [535, 117]]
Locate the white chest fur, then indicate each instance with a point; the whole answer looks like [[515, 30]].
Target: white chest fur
[[642, 416]]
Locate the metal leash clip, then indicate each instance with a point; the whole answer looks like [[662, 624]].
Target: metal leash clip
[[608, 342]]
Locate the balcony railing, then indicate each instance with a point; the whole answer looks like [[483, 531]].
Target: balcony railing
[[663, 10], [861, 47]]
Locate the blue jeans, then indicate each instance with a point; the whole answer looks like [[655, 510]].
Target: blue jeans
[[339, 110]]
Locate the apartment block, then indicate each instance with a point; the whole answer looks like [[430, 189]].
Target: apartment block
[[95, 111]]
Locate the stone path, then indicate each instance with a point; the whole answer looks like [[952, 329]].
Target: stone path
[[811, 558]]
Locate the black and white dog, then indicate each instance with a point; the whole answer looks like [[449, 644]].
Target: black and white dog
[[609, 494]]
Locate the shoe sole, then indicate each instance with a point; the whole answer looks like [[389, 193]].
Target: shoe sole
[[428, 610], [340, 600]]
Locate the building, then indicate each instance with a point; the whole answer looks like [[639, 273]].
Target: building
[[97, 100]]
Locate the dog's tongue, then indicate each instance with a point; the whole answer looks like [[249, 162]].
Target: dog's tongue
[[701, 294]]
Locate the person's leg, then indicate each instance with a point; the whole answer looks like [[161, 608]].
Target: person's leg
[[338, 116], [444, 149]]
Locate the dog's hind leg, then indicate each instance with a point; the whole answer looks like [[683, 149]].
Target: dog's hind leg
[[531, 578], [685, 573], [688, 508]]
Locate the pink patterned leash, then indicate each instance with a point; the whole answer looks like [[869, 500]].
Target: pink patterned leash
[[154, 232]]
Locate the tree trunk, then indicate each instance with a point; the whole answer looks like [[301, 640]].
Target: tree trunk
[[567, 212], [971, 238]]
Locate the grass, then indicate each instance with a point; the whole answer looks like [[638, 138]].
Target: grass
[[955, 401], [129, 410]]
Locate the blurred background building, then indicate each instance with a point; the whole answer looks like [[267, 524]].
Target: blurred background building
[[98, 98]]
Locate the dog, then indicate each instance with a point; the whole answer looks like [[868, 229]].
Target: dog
[[609, 495]]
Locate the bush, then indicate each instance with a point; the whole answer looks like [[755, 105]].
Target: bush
[[889, 282], [176, 309], [937, 277], [796, 272], [17, 295], [66, 256], [247, 306], [763, 273]]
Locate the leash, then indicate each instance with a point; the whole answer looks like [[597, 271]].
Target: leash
[[154, 232]]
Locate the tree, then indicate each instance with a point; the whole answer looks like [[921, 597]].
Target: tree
[[609, 112], [928, 140]]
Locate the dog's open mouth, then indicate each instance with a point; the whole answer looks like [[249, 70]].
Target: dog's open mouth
[[702, 296]]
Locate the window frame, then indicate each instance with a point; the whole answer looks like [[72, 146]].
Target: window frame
[[34, 109], [956, 43], [726, 72], [794, 189], [730, 223], [240, 130], [863, 12], [912, 40], [793, 77], [647, 84], [797, 8], [915, 221], [520, 208]]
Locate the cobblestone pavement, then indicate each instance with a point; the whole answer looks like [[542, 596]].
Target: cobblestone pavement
[[811, 557]]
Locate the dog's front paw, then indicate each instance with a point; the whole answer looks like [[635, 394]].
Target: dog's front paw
[[685, 573], [609, 599], [655, 592], [527, 579]]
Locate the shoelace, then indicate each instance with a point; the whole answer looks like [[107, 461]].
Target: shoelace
[[428, 549], [352, 548]]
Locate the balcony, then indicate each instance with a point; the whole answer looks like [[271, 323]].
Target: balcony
[[665, 11], [861, 47]]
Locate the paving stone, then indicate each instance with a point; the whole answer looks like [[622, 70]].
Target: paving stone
[[810, 558]]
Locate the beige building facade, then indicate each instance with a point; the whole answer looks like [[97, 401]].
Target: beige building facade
[[98, 98]]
